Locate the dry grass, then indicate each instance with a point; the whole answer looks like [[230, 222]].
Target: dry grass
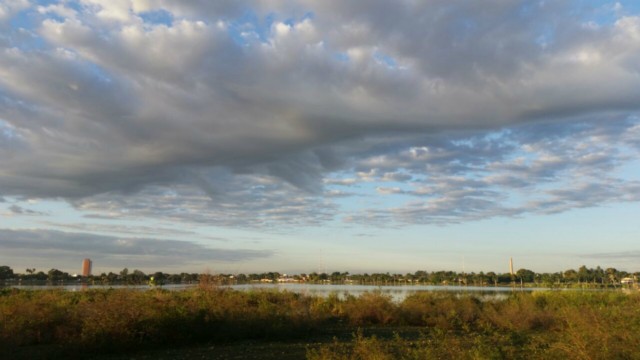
[[550, 325]]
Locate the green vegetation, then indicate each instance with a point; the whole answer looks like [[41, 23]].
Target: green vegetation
[[573, 325], [582, 277], [560, 324]]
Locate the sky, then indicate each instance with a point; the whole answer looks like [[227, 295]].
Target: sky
[[301, 136]]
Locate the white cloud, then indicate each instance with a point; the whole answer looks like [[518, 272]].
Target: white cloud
[[10, 7], [58, 9], [111, 10], [109, 103], [628, 28]]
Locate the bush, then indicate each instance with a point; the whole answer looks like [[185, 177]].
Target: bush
[[370, 309], [571, 325]]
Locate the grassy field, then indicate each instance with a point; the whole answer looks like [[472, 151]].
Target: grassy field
[[212, 323]]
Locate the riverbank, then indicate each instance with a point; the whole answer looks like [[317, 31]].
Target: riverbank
[[397, 292], [52, 324]]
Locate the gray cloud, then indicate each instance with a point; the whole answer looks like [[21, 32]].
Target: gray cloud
[[247, 201], [137, 230], [19, 210], [223, 120], [627, 259], [627, 255], [114, 251], [536, 172]]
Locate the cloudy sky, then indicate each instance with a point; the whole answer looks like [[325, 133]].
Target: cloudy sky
[[301, 136]]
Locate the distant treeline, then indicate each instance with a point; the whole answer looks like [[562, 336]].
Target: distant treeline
[[583, 276]]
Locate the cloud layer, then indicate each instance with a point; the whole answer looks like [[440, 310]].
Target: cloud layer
[[109, 251], [259, 113]]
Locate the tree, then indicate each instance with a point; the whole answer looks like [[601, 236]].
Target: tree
[[505, 278], [56, 275], [612, 275], [6, 273], [493, 277], [525, 275], [599, 275], [138, 277], [550, 279], [40, 275], [584, 274], [335, 277], [174, 278], [112, 277], [159, 278], [570, 275], [188, 278], [125, 277], [479, 278]]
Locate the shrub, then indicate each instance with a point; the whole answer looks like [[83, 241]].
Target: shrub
[[572, 325], [371, 308]]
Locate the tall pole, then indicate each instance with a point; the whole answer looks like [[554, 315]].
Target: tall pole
[[511, 272], [511, 266]]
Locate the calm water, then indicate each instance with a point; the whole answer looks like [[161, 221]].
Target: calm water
[[397, 292]]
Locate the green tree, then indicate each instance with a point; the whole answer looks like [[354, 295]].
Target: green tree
[[492, 277], [40, 275], [56, 275], [6, 273], [111, 278], [138, 277], [480, 278], [570, 275], [124, 276], [174, 278], [505, 278], [584, 274], [612, 275], [525, 275], [599, 275], [159, 277]]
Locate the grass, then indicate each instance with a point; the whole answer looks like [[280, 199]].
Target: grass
[[213, 323]]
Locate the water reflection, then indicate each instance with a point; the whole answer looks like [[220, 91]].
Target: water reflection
[[396, 292]]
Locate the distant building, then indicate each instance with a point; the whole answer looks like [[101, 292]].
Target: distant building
[[86, 267]]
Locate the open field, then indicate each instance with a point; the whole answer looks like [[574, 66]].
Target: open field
[[214, 323]]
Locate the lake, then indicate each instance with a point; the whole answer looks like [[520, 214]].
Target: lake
[[397, 292]]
